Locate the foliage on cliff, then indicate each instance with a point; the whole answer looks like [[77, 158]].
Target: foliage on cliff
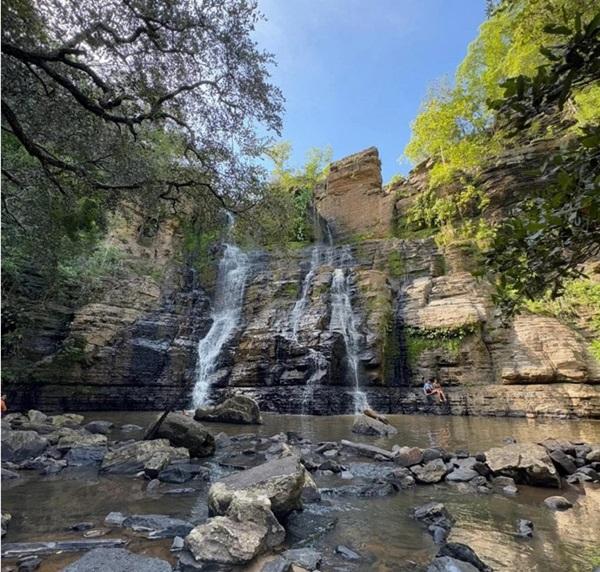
[[282, 216], [531, 74]]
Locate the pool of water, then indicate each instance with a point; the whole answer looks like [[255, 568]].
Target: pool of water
[[380, 529]]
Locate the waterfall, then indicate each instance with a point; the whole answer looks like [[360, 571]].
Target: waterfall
[[227, 309], [302, 302], [342, 320]]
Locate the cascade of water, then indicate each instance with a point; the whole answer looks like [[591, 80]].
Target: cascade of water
[[302, 302], [227, 309], [342, 320]]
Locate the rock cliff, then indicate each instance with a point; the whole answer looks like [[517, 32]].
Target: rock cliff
[[417, 311]]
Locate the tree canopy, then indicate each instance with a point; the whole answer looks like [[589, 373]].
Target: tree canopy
[[155, 102], [532, 73]]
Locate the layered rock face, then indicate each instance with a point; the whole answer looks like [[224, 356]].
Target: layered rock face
[[353, 199], [317, 326]]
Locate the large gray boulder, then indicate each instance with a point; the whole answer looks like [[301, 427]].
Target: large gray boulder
[[183, 431], [365, 425], [280, 480], [237, 409], [117, 560], [131, 458], [18, 446], [248, 529], [525, 462]]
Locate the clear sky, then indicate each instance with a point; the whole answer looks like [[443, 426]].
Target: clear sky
[[354, 72]]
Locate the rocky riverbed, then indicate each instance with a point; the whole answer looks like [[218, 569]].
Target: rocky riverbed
[[298, 493]]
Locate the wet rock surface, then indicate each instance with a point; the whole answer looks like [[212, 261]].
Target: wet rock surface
[[280, 480], [184, 431], [238, 409]]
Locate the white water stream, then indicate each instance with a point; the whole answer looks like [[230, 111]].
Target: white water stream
[[227, 309], [342, 320]]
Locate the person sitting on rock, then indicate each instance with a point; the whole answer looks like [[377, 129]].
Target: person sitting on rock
[[432, 387], [437, 388]]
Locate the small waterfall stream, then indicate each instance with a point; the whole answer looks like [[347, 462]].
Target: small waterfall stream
[[302, 302], [231, 282], [343, 321]]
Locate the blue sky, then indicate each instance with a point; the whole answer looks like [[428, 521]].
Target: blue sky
[[354, 72]]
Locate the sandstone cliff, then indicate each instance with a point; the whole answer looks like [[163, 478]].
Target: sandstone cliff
[[418, 311]]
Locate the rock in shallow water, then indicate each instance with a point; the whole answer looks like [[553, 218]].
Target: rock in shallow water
[[464, 553], [280, 480], [431, 472], [18, 446], [558, 503], [238, 409], [117, 560], [249, 528], [183, 431], [524, 528], [525, 462], [364, 425], [131, 458]]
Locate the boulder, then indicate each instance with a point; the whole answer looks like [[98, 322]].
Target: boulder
[[131, 458], [407, 456], [464, 553], [462, 475], [366, 425], [81, 439], [101, 427], [280, 480], [117, 560], [432, 453], [431, 472], [433, 514], [593, 456], [401, 478], [558, 503], [524, 528], [183, 431], [525, 462], [237, 409], [20, 445], [248, 529], [564, 463]]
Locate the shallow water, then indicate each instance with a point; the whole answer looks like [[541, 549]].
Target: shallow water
[[378, 528]]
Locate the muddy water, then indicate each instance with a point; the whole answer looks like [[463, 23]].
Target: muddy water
[[378, 528]]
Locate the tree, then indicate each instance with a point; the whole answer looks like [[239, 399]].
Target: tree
[[85, 82], [456, 125], [553, 231]]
